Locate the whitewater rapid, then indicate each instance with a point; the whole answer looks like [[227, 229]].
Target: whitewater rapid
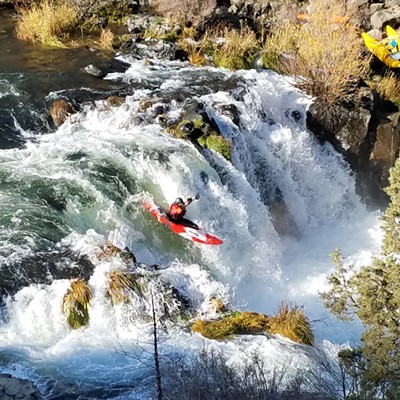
[[83, 185]]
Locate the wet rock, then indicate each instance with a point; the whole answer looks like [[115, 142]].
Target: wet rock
[[282, 219], [155, 49], [92, 70], [231, 111], [365, 131], [218, 305], [17, 389], [204, 177], [110, 250], [60, 110], [127, 255], [187, 126], [386, 147], [101, 69]]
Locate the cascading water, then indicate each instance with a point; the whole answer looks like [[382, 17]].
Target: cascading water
[[67, 192]]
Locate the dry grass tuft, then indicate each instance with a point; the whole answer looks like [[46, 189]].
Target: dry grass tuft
[[122, 284], [293, 324], [387, 86], [288, 322], [194, 50], [106, 40], [237, 323], [47, 22], [324, 57], [76, 304], [237, 50]]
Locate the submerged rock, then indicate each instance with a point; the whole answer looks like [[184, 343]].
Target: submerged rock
[[12, 388], [60, 110]]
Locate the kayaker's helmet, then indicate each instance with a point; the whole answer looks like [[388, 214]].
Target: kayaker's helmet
[[179, 200]]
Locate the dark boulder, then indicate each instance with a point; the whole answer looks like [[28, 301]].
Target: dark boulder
[[366, 132]]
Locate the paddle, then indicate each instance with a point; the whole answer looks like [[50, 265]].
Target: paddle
[[196, 197]]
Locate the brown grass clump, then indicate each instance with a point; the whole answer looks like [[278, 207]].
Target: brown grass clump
[[194, 50], [237, 323], [76, 302], [387, 86], [47, 22], [293, 324], [122, 284], [106, 40], [184, 11], [288, 322], [324, 57]]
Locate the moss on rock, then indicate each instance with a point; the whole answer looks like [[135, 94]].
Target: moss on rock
[[217, 143]]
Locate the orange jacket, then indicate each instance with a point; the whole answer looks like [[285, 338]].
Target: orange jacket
[[177, 211]]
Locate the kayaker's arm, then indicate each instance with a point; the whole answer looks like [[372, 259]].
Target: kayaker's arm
[[189, 199]]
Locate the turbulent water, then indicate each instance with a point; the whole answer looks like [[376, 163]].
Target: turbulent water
[[64, 193]]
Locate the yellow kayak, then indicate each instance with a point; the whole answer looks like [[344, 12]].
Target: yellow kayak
[[382, 49]]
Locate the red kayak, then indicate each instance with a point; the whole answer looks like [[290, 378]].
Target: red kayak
[[187, 229]]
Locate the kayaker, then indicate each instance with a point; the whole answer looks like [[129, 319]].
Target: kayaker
[[177, 210]]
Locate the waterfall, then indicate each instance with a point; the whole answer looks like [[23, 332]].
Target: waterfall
[[77, 187]]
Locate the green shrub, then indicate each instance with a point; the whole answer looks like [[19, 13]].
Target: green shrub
[[373, 293]]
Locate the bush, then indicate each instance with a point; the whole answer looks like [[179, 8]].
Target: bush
[[194, 51], [323, 56], [212, 376], [373, 293], [47, 23]]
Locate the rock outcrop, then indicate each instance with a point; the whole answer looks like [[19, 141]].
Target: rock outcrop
[[366, 132]]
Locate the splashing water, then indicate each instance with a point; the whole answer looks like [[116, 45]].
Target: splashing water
[[84, 184]]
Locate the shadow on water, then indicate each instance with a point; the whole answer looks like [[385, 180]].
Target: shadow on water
[[28, 73]]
